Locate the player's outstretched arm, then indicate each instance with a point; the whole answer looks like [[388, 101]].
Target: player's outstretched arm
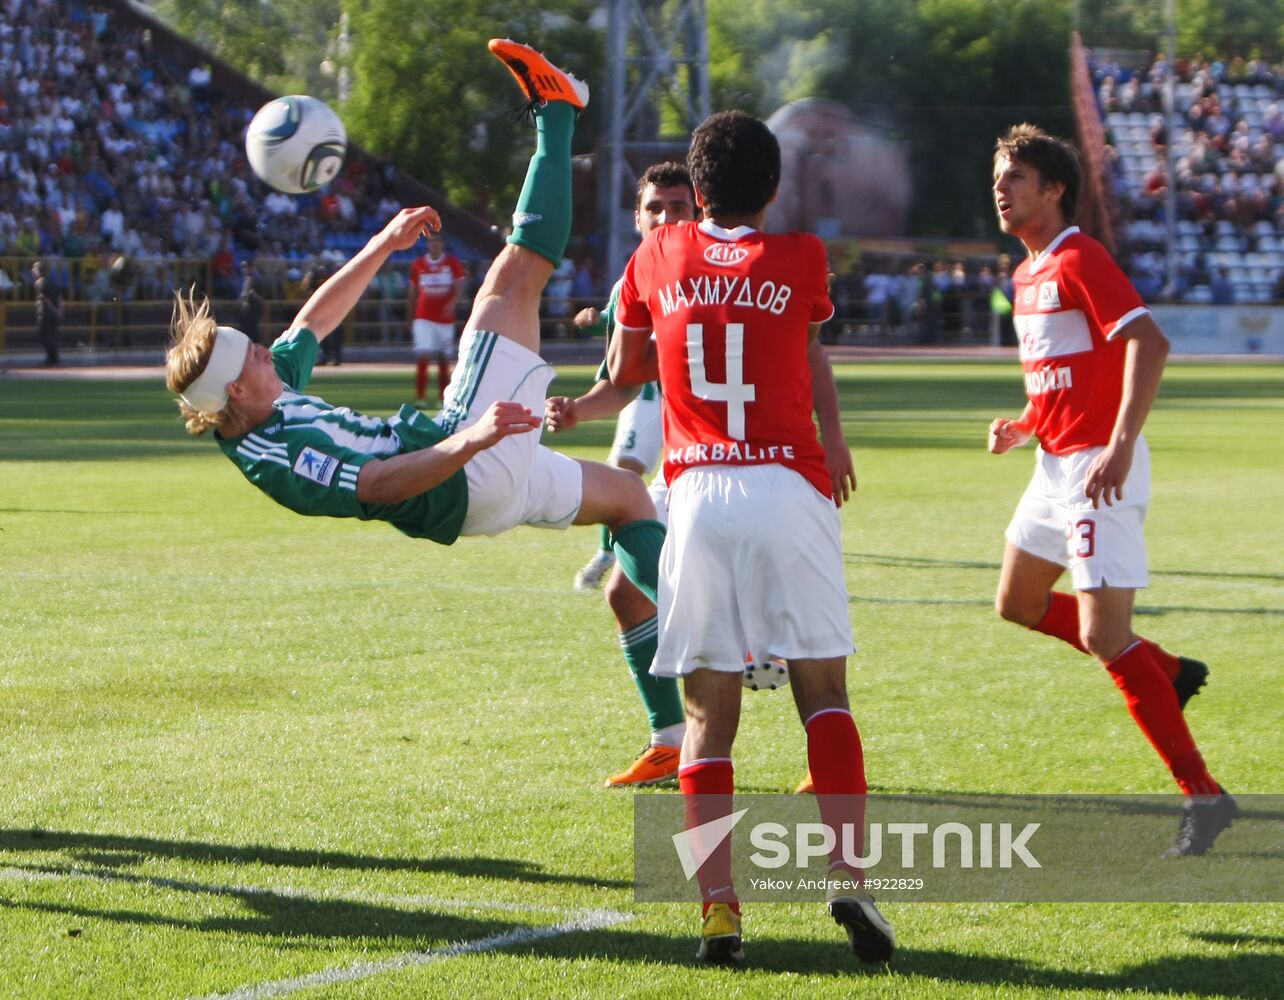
[[604, 399], [824, 397], [392, 480], [330, 303], [1147, 350]]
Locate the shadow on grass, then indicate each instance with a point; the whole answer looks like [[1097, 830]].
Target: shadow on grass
[[295, 920], [1236, 940], [1150, 611], [285, 917], [110, 850], [299, 922], [1251, 975], [1252, 805], [925, 562]]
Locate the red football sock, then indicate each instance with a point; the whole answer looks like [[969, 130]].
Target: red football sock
[[443, 378], [1170, 665], [1061, 620], [1153, 704], [837, 765], [421, 377], [707, 785]]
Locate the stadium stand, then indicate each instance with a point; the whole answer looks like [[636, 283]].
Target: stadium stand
[[1229, 155], [122, 164]]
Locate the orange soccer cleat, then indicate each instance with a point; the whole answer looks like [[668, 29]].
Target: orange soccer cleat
[[539, 79], [652, 766]]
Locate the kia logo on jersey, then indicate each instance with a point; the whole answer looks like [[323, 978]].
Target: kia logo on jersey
[[724, 254]]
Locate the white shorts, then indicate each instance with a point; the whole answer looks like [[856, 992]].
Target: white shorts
[[1055, 521], [638, 434], [433, 338], [753, 562], [659, 491], [518, 481]]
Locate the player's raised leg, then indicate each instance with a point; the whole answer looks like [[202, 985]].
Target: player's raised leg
[[508, 301]]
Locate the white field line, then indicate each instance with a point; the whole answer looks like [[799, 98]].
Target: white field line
[[287, 892], [587, 921], [580, 920]]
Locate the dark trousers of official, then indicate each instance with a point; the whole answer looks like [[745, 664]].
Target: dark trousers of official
[[49, 341]]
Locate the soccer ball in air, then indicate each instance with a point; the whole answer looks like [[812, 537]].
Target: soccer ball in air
[[296, 144]]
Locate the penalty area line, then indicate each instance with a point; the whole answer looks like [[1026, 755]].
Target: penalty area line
[[590, 920]]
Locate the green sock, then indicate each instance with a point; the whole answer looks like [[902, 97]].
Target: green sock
[[542, 222], [660, 695], [605, 544], [637, 545]]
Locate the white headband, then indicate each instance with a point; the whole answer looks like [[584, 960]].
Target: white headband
[[209, 392]]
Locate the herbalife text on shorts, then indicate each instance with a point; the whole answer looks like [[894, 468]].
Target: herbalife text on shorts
[[811, 842]]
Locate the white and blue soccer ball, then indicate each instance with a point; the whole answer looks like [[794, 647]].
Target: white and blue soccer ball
[[766, 676], [296, 144]]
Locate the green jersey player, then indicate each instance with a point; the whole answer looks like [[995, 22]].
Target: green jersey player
[[476, 468]]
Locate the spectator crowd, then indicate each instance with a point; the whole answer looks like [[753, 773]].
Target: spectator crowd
[[1228, 174], [114, 160], [123, 169]]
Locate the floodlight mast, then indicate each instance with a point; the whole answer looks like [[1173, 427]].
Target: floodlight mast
[[657, 65]]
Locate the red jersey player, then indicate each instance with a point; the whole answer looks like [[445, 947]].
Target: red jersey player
[[1093, 358], [753, 558], [436, 283]]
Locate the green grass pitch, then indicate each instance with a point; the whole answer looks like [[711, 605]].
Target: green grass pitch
[[245, 752]]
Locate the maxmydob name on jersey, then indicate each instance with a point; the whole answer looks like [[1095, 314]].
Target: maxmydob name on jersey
[[719, 290]]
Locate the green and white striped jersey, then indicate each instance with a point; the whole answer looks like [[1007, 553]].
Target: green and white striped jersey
[[308, 454], [650, 390]]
